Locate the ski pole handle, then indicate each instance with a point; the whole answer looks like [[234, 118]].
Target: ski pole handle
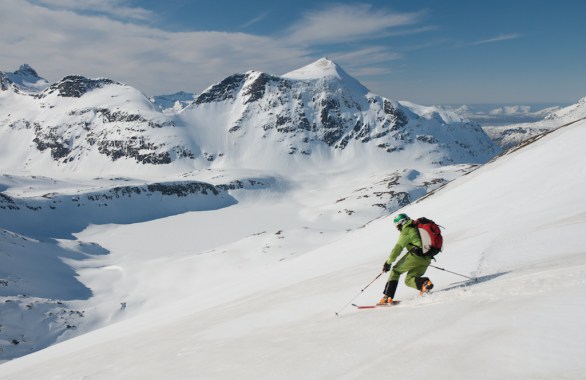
[[376, 278]]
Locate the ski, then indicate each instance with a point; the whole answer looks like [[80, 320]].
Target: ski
[[375, 306]]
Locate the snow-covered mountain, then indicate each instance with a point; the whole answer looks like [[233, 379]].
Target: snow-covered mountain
[[258, 299], [78, 124], [570, 113], [320, 114], [25, 79], [312, 116], [501, 115], [512, 135]]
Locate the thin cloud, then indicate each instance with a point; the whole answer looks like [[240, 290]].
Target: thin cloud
[[368, 62], [371, 54], [255, 20], [344, 23], [406, 32], [63, 37], [502, 37], [114, 8], [150, 59]]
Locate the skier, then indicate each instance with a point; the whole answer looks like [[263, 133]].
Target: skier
[[414, 262]]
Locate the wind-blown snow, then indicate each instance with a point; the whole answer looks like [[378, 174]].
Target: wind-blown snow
[[251, 291]]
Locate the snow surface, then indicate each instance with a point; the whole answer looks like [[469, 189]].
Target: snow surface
[[250, 291], [324, 68]]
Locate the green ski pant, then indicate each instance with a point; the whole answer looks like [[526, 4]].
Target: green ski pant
[[414, 265]]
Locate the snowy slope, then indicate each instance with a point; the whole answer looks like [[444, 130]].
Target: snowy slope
[[36, 288], [87, 153], [256, 299], [514, 134], [570, 113]]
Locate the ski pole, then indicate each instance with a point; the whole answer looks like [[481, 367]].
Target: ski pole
[[445, 270], [356, 296]]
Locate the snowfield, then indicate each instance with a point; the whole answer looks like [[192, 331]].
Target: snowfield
[[250, 291]]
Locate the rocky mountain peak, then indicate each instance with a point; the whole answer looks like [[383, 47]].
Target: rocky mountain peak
[[4, 82], [26, 70], [226, 89], [24, 79], [75, 86]]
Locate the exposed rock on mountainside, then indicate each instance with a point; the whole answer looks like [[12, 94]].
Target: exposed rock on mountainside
[[318, 109], [75, 86]]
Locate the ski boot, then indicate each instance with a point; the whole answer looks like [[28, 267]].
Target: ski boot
[[386, 300], [426, 286]]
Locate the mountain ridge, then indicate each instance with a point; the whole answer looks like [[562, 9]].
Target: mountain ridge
[[77, 118]]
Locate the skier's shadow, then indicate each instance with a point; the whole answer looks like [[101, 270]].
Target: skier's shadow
[[474, 281]]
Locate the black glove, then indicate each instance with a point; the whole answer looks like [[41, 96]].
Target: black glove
[[386, 267]]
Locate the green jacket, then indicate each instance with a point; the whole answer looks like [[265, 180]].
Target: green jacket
[[408, 237]]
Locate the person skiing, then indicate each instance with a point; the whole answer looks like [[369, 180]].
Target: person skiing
[[414, 262]]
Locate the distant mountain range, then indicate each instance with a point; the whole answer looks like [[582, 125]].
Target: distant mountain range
[[499, 115], [506, 125], [24, 79], [513, 134], [311, 116]]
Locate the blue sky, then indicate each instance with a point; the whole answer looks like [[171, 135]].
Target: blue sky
[[425, 51]]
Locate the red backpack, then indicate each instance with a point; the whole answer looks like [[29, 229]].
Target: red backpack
[[431, 236]]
